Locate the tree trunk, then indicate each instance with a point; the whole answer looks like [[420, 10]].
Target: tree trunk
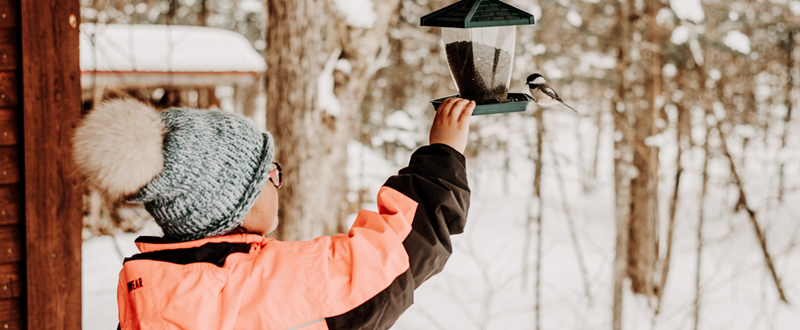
[[622, 189], [642, 248], [537, 186], [171, 11], [360, 47], [638, 85], [311, 144], [250, 105], [643, 239], [623, 159], [295, 45], [202, 16]]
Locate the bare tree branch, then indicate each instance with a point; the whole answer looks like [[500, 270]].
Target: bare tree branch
[[672, 210], [700, 230], [574, 237], [741, 204], [789, 104], [537, 185], [534, 202], [599, 124]]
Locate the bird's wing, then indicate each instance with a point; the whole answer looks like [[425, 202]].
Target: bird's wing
[[551, 93]]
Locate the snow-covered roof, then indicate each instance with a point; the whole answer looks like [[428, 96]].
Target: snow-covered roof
[[166, 48]]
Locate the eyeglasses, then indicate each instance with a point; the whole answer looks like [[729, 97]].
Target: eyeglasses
[[275, 175]]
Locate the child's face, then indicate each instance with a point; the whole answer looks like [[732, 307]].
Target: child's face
[[263, 217]]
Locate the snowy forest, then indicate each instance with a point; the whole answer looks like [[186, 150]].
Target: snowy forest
[[669, 201]]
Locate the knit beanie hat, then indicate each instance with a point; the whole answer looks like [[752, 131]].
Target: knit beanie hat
[[198, 172]]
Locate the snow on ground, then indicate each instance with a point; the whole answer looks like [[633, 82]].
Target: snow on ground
[[486, 286], [101, 261], [482, 286]]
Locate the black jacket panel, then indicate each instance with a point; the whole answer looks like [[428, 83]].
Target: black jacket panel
[[436, 178]]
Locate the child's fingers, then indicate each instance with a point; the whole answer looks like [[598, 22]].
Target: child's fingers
[[467, 113], [446, 106], [457, 109]]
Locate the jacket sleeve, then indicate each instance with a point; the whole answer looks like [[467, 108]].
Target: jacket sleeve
[[373, 271]]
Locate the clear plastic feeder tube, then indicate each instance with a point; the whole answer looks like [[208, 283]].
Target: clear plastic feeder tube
[[480, 61]]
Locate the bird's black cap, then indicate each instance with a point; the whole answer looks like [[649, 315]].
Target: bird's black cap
[[533, 77]]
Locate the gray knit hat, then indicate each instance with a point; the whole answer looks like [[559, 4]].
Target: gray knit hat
[[212, 169], [215, 166]]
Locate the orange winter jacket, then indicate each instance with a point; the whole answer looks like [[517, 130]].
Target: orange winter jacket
[[362, 280]]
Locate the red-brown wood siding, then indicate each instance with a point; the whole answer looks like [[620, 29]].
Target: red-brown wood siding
[[12, 232], [51, 108]]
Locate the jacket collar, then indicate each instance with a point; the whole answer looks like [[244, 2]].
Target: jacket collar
[[154, 243]]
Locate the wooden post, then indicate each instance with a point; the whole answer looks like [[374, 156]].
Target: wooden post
[[51, 109], [12, 257]]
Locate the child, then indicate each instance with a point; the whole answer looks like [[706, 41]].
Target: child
[[209, 180]]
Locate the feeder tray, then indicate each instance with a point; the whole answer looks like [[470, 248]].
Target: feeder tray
[[488, 109], [479, 42]]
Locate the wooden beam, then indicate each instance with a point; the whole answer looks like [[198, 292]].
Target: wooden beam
[[12, 258], [10, 244], [9, 165], [8, 89], [9, 13], [10, 205], [9, 281], [51, 108], [9, 49], [10, 311], [9, 132]]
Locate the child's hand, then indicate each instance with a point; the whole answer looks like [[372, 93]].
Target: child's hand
[[451, 124]]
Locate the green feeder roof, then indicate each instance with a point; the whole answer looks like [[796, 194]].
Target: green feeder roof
[[477, 13]]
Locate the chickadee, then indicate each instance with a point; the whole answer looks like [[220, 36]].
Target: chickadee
[[543, 94]]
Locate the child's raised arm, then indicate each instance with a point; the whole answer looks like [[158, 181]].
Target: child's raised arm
[[372, 272]]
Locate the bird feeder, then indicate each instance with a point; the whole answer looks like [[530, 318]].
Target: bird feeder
[[479, 38]]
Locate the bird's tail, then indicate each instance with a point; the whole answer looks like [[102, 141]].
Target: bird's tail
[[571, 108]]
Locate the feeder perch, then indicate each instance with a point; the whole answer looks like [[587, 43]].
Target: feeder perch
[[479, 37]]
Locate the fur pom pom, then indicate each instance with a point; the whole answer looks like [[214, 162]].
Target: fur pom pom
[[118, 147]]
